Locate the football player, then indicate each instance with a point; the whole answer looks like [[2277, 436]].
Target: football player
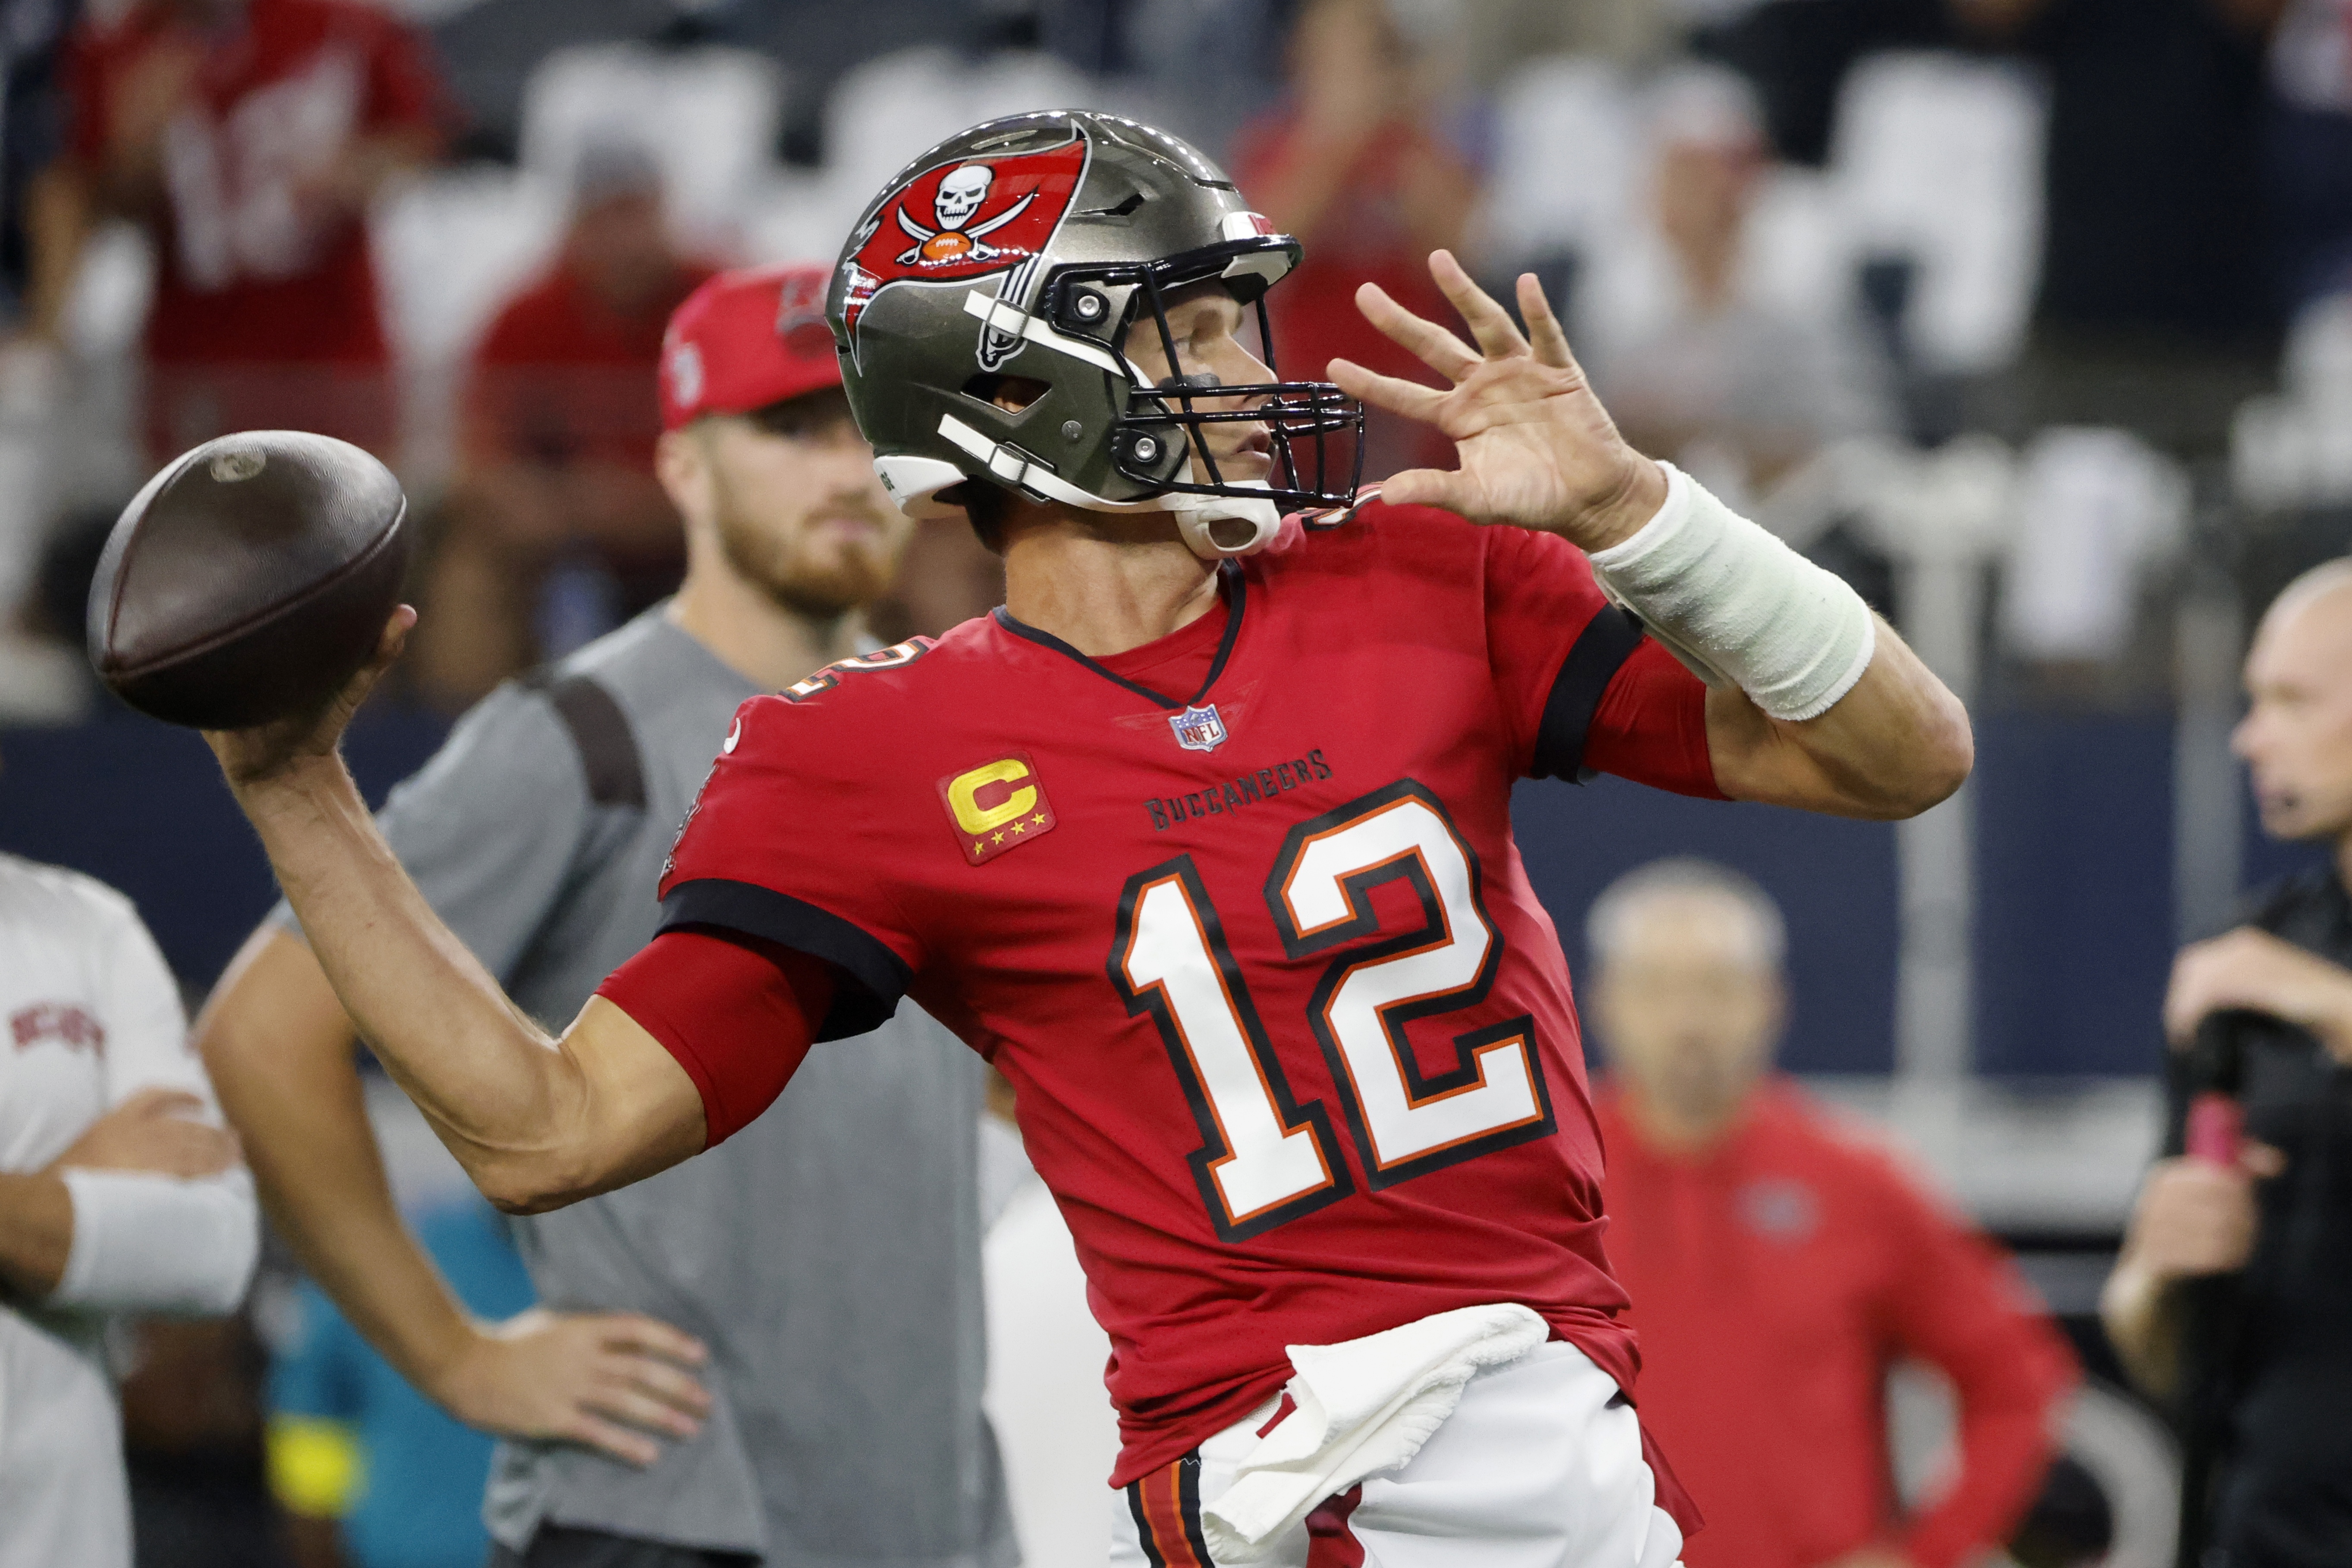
[[1205, 840]]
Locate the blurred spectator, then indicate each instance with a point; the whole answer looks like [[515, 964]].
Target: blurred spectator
[[2259, 1359], [38, 229], [1355, 165], [557, 531], [1779, 1264], [370, 1473], [248, 137], [1693, 362], [2308, 149], [119, 1194]]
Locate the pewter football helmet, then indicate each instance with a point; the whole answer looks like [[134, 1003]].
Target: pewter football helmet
[[1026, 249]]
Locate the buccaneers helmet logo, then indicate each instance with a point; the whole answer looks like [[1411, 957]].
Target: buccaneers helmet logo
[[969, 218]]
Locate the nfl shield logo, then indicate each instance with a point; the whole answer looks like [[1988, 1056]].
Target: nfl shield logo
[[1198, 729]]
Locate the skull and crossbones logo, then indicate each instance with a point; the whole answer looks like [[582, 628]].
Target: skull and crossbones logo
[[958, 201]]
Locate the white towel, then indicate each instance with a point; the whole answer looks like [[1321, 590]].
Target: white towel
[[1363, 1406]]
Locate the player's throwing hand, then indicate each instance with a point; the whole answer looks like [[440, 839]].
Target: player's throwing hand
[[1537, 448], [268, 751]]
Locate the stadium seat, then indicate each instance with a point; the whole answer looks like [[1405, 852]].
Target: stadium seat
[[888, 111], [449, 250], [708, 116], [1939, 159], [1566, 161]]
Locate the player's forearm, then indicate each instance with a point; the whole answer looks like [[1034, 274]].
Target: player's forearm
[[35, 1235], [2139, 1313], [509, 1104], [1894, 744], [281, 1055]]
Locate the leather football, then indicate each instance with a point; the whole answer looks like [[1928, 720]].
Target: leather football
[[248, 580]]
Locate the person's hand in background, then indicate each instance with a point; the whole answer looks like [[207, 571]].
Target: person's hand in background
[[605, 1381], [153, 1131], [2194, 1218], [2251, 970]]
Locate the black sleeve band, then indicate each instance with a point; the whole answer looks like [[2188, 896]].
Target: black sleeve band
[[875, 977], [601, 733], [1601, 649]]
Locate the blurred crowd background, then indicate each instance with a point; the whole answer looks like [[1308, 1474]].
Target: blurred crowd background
[[2031, 318]]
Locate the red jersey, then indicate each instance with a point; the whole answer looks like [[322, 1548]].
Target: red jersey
[[251, 270], [561, 375], [1775, 1281], [1240, 916]]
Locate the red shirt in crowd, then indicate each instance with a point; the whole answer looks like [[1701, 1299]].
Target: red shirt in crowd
[[1775, 1281], [1239, 914], [1361, 237], [562, 376], [254, 267]]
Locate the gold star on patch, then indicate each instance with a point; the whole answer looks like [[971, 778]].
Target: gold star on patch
[[1039, 818], [1019, 826], [1000, 837]]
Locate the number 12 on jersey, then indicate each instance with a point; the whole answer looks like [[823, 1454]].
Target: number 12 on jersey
[[1265, 1159]]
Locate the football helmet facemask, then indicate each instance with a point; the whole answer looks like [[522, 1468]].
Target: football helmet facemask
[[1017, 258]]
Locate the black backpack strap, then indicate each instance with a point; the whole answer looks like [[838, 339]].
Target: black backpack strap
[[601, 733]]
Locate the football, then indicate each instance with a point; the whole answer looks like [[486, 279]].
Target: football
[[248, 580]]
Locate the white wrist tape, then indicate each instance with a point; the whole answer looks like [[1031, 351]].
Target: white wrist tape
[[1739, 607], [147, 1243]]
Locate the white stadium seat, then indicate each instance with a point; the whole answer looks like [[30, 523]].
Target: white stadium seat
[[707, 117], [1939, 158]]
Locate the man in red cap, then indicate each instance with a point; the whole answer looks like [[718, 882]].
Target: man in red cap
[[770, 1357]]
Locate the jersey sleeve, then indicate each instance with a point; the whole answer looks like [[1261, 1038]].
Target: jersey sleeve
[[792, 841], [738, 1013], [146, 1030], [1650, 725], [1583, 690]]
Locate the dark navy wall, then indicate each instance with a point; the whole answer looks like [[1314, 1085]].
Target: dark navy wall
[[140, 805], [1835, 881], [2075, 917]]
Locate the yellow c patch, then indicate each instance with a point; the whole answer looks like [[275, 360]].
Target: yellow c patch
[[996, 807]]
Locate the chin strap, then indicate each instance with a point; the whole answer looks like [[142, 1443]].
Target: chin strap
[[1196, 517]]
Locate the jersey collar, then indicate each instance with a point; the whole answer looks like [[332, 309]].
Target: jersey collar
[[1236, 593]]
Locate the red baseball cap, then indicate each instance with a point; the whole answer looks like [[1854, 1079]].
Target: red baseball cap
[[746, 338]]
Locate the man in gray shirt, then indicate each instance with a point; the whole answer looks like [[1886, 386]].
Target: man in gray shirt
[[822, 1271]]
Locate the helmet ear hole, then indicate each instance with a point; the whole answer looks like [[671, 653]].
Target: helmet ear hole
[[1014, 393]]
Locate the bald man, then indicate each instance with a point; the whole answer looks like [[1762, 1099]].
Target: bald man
[[1781, 1262], [2265, 1378]]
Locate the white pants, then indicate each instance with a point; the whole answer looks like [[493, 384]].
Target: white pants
[[1539, 1467]]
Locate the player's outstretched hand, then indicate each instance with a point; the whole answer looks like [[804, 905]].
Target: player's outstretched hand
[[1536, 446], [265, 752], [605, 1381]]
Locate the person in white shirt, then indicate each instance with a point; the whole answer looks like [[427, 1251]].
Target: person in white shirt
[[119, 1193]]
